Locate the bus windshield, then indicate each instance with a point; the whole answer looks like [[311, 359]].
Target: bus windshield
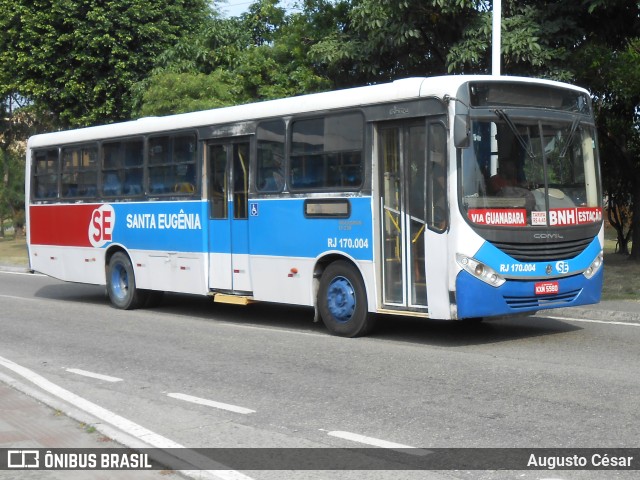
[[524, 172]]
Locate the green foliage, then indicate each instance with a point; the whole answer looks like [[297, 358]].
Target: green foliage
[[170, 93], [537, 38], [614, 79], [384, 40], [262, 55], [12, 169], [80, 58]]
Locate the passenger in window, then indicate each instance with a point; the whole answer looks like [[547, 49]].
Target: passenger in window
[[506, 176], [274, 178], [506, 183]]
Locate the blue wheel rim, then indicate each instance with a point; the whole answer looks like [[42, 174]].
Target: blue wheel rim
[[119, 281], [341, 299]]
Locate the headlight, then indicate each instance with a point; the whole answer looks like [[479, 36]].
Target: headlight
[[480, 270], [595, 266]]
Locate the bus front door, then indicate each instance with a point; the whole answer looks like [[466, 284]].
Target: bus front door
[[403, 213], [228, 173]]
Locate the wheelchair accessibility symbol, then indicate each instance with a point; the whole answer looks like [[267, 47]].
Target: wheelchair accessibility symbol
[[254, 209]]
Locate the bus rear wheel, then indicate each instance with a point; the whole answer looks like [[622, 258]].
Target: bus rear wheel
[[342, 301], [121, 283]]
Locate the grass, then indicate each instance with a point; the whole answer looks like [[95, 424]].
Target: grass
[[13, 251], [621, 276]]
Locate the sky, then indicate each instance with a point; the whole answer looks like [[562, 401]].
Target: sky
[[233, 8]]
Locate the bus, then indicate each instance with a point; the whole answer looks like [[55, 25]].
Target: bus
[[453, 198]]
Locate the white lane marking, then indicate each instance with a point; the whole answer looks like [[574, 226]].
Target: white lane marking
[[34, 274], [129, 427], [99, 376], [211, 403], [377, 442], [14, 297], [273, 329], [584, 320]]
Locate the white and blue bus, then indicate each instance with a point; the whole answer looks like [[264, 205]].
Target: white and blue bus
[[456, 197]]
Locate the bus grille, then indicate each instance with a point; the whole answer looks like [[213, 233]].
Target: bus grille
[[540, 302], [544, 252]]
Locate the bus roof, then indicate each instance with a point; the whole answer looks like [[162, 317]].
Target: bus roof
[[399, 90]]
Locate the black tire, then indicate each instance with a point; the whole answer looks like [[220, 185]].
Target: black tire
[[342, 301], [121, 284]]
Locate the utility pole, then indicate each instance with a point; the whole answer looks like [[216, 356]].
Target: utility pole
[[496, 38]]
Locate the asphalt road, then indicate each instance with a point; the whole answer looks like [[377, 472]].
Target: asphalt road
[[281, 381]]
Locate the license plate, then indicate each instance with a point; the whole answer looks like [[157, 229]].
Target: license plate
[[547, 288]]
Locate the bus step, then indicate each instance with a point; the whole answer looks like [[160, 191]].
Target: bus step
[[232, 299]]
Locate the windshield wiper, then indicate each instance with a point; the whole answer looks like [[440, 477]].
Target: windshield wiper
[[502, 115], [572, 133]]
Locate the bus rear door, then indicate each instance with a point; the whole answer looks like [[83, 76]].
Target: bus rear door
[[228, 173]]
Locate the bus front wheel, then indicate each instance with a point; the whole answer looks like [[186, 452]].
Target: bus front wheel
[[121, 283], [342, 301]]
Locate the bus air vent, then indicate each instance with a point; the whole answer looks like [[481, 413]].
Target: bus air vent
[[528, 302], [544, 252]]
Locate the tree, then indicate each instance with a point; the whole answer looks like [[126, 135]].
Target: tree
[[170, 93], [608, 64], [15, 121], [79, 58], [383, 40], [614, 79], [263, 54]]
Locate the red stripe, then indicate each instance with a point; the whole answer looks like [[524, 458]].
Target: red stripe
[[65, 225]]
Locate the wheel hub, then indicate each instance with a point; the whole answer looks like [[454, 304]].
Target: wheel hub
[[341, 299]]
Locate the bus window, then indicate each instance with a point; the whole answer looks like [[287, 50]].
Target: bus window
[[218, 181], [172, 161], [122, 168], [45, 181], [79, 171], [240, 180], [270, 161], [326, 153], [438, 177]]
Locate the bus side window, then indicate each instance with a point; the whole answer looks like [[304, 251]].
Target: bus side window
[[326, 153], [172, 164], [217, 155], [437, 177], [45, 178], [80, 171], [270, 161], [122, 167], [240, 180]]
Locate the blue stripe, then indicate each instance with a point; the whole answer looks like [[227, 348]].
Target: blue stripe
[[274, 227], [478, 299], [167, 226], [279, 228], [511, 268]]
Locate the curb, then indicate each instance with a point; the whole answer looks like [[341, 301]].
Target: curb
[[15, 269], [188, 461], [601, 315]]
